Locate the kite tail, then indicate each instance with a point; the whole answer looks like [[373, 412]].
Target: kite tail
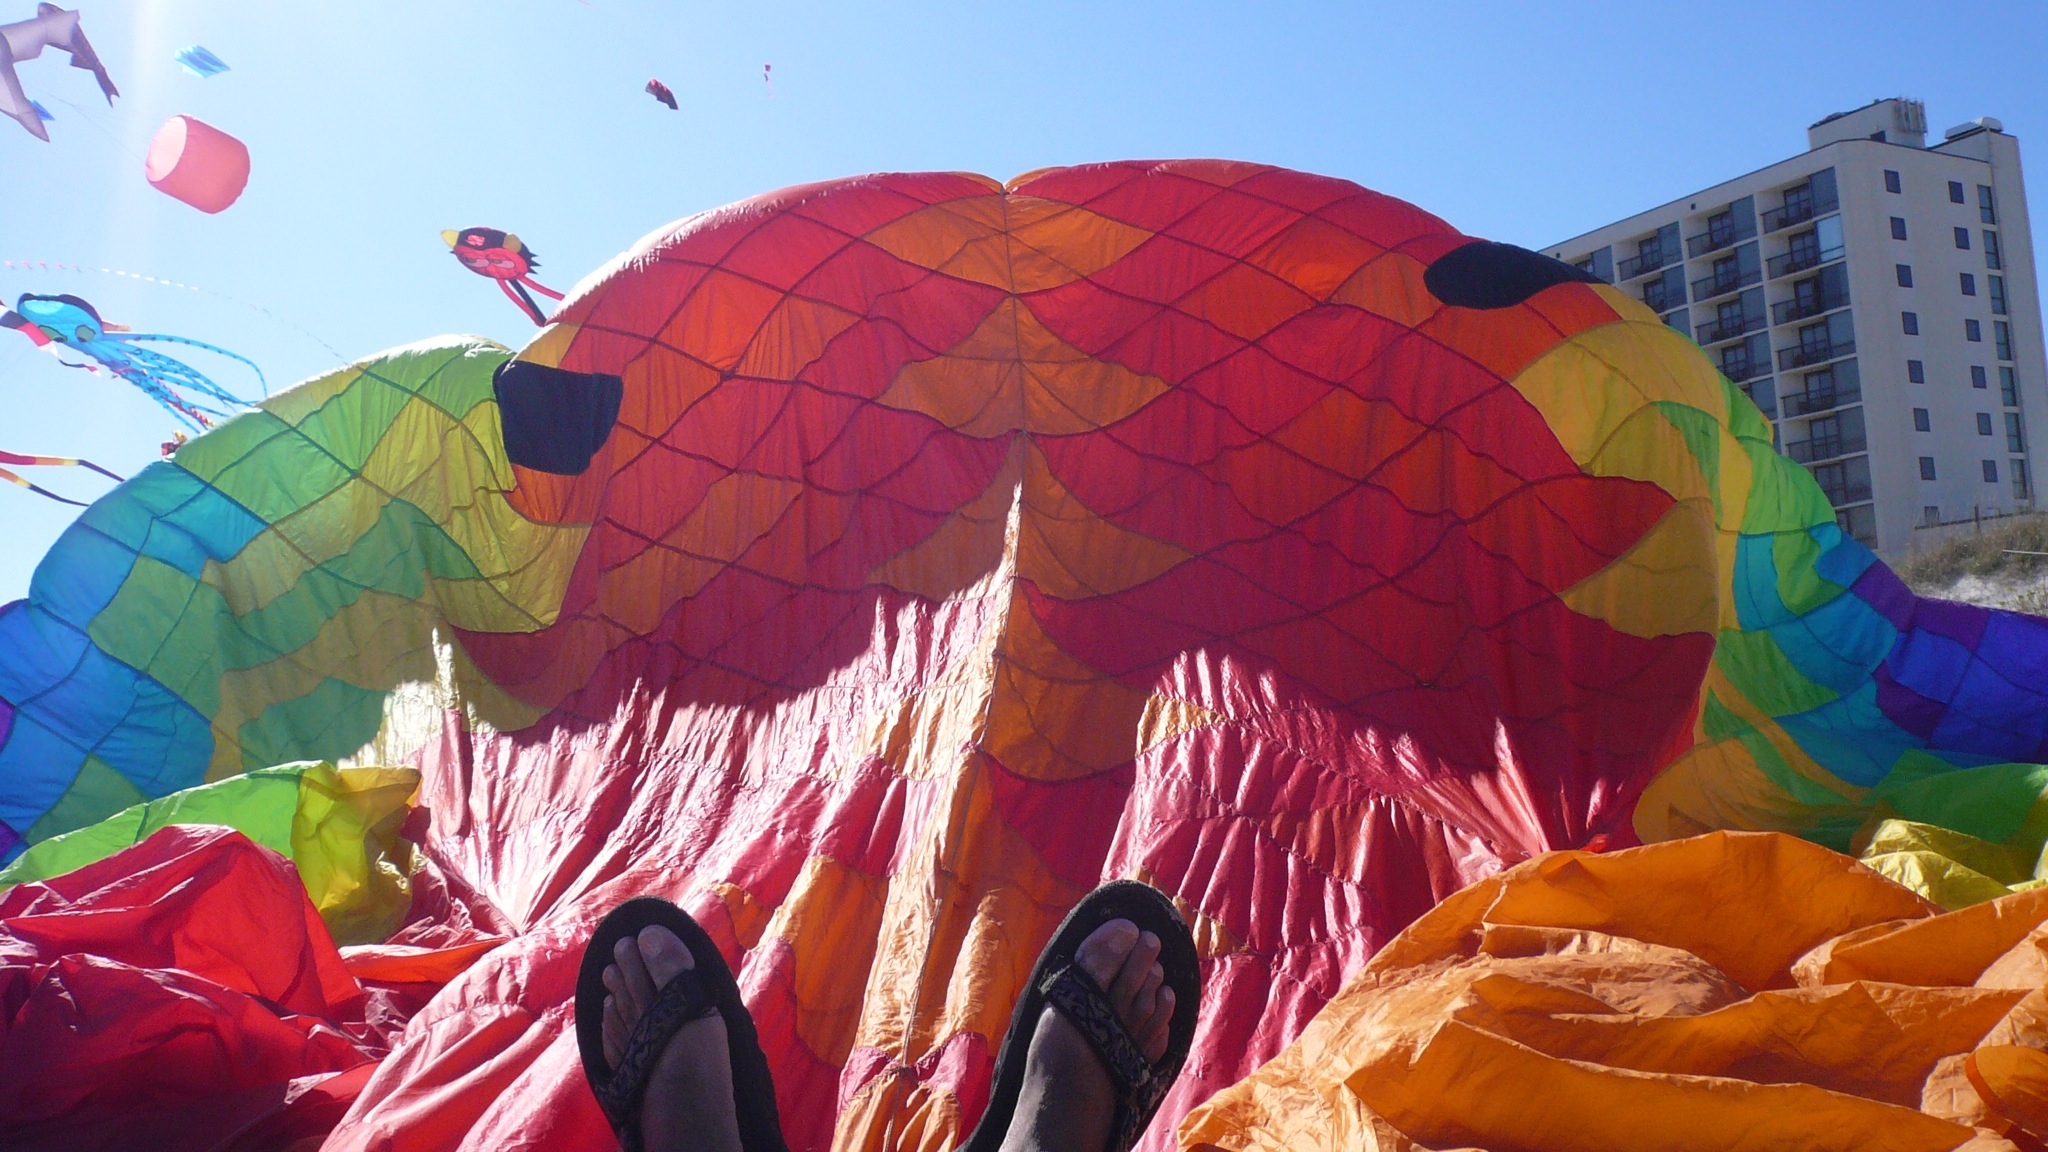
[[40, 491], [210, 348], [539, 287], [23, 459], [518, 296]]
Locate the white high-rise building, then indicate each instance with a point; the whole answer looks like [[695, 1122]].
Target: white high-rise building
[[1876, 297]]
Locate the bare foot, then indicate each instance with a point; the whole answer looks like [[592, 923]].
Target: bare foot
[[689, 1096], [1068, 1103]]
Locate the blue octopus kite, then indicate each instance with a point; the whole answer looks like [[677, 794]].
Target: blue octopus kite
[[70, 322]]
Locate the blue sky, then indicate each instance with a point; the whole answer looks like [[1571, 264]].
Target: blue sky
[[374, 125]]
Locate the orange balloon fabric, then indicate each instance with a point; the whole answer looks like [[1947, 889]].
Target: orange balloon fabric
[[193, 161], [1732, 991]]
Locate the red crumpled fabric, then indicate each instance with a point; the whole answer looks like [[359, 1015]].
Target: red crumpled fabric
[[184, 994]]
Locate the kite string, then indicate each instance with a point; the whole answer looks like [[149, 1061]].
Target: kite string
[[60, 266]]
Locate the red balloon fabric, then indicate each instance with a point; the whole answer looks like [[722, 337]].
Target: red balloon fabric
[[184, 994]]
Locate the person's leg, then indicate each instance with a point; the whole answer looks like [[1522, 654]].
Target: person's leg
[[1068, 1102], [689, 1102]]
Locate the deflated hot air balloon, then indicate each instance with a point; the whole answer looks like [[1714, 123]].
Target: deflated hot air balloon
[[66, 321], [875, 567], [501, 257]]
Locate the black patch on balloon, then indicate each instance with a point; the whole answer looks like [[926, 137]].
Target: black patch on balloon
[[1485, 274], [555, 420]]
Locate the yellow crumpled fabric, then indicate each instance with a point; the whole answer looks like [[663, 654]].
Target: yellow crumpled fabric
[[1746, 991]]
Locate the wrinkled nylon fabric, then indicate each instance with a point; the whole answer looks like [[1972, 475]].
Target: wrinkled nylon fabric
[[956, 546], [185, 988], [1732, 991], [339, 826]]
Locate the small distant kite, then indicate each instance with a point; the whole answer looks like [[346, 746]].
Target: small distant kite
[[50, 27], [768, 79], [200, 62], [500, 256], [659, 91], [65, 321], [18, 460]]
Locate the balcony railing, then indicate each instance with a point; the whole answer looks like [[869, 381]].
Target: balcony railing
[[1797, 211], [1787, 311], [1712, 240], [1728, 329], [1740, 368], [1801, 355], [1799, 260], [1707, 287], [1659, 299], [1648, 260], [1840, 492], [1820, 399], [1826, 447]]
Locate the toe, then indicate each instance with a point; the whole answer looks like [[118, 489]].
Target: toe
[[1103, 953], [1154, 1033], [1131, 977], [665, 954], [633, 967], [615, 1030]]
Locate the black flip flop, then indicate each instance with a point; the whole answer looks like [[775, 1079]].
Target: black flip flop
[[1139, 1084], [706, 989]]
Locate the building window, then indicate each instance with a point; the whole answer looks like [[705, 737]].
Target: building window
[[1973, 331], [1910, 323], [1898, 227], [1930, 515], [2003, 332], [1998, 307], [2021, 490], [2008, 387], [1963, 239], [1916, 372], [1904, 272], [1992, 259], [1891, 180], [2015, 435], [1955, 192], [1927, 467], [1983, 423], [1977, 379], [1987, 210], [1991, 471], [1969, 284], [1921, 421]]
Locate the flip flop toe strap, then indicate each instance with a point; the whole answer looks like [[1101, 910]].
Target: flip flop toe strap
[[1140, 1084], [677, 1003]]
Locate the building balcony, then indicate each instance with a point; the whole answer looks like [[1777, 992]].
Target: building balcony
[[1740, 368], [1712, 240], [1840, 492], [1729, 329], [1830, 447], [1642, 262], [1819, 399], [1708, 287], [1801, 260], [1787, 311], [1795, 212], [1806, 355], [1657, 299]]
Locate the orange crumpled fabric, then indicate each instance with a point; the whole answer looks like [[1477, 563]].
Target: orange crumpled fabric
[[1729, 991]]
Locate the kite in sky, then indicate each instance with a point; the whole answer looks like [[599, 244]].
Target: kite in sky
[[19, 460], [66, 321], [768, 78], [660, 91], [50, 27], [500, 256], [200, 62]]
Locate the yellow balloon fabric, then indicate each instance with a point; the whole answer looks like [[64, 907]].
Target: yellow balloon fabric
[[339, 825], [1729, 991]]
